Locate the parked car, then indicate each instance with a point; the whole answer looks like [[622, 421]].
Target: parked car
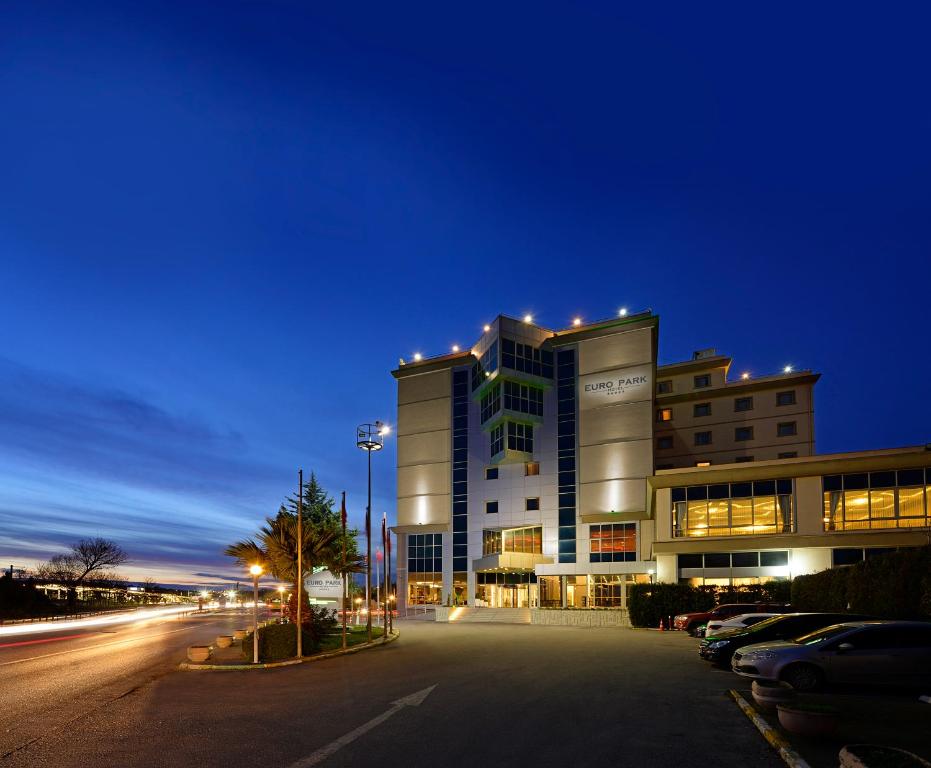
[[721, 647], [692, 622], [716, 626], [875, 652]]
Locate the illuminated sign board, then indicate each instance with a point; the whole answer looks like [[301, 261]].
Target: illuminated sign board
[[622, 385]]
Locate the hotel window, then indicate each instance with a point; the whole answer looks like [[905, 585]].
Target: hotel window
[[742, 459], [425, 554], [526, 358], [663, 443], [664, 387], [892, 499], [532, 468], [664, 414], [486, 365], [785, 398], [491, 402], [491, 507], [743, 433], [520, 437], [743, 404], [789, 455], [497, 440], [702, 381], [524, 540], [733, 509], [613, 543], [523, 398], [702, 463], [491, 473], [491, 543], [701, 409], [786, 429], [532, 504], [702, 438]]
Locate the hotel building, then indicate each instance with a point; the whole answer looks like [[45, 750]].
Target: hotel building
[[547, 468]]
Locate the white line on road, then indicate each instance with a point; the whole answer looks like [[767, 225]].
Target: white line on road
[[104, 645], [414, 700]]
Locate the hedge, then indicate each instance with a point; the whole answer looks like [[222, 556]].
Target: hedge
[[895, 585], [651, 602], [279, 641]]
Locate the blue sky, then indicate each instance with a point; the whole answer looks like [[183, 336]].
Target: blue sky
[[221, 224]]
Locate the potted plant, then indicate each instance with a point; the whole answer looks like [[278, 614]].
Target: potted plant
[[240, 634], [198, 653], [224, 641], [808, 719], [769, 693], [877, 756]]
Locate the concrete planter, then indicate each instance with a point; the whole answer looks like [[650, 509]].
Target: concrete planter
[[240, 634], [198, 653], [769, 694], [867, 755], [224, 641], [808, 721]]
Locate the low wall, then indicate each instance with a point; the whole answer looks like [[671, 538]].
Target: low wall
[[579, 618]]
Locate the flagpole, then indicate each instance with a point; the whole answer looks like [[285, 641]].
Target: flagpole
[[300, 551], [384, 548], [388, 566], [343, 518]]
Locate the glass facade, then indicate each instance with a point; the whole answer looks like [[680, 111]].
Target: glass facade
[[566, 447], [520, 437], [525, 540], [731, 509], [425, 556], [893, 499], [613, 543], [526, 358], [523, 398], [486, 365], [460, 453], [491, 403], [497, 440]]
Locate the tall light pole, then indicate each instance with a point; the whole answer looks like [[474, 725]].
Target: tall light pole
[[256, 571], [300, 552], [369, 437]]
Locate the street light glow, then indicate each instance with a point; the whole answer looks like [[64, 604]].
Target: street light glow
[[577, 322], [622, 312], [255, 570]]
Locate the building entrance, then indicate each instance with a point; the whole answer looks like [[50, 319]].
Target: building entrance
[[508, 595]]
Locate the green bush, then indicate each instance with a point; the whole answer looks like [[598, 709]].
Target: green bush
[[279, 641], [651, 602], [896, 585]]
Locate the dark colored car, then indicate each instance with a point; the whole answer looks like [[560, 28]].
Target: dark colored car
[[720, 648], [692, 622]]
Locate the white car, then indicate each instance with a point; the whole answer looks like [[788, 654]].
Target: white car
[[716, 626]]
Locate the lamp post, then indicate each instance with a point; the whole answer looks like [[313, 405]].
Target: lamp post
[[369, 437], [281, 604], [358, 609], [256, 571]]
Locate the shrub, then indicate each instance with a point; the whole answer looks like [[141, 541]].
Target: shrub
[[895, 585], [279, 641], [651, 602]]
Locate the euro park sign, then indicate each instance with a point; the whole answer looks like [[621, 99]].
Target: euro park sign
[[622, 385], [323, 585]]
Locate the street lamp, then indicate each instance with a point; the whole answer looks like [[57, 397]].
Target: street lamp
[[369, 437], [281, 603], [256, 571]]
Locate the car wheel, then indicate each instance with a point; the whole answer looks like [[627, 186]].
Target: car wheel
[[802, 677]]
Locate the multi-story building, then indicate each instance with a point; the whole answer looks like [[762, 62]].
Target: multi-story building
[[526, 472], [702, 418], [522, 466]]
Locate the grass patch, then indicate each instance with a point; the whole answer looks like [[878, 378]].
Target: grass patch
[[354, 636]]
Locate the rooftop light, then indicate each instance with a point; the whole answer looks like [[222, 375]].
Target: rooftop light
[[577, 321], [455, 347], [745, 375], [418, 357], [486, 328], [528, 318], [787, 369], [622, 312]]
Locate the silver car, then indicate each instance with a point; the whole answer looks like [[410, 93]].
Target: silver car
[[869, 652]]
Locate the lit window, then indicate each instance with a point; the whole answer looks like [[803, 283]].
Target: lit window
[[614, 542], [702, 463], [532, 468], [664, 414]]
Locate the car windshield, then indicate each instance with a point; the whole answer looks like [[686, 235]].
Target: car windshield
[[813, 638]]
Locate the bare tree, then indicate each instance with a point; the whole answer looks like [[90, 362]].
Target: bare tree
[[88, 560]]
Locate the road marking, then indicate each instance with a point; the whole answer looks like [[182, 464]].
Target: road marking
[[789, 756], [104, 645], [46, 640], [414, 700]]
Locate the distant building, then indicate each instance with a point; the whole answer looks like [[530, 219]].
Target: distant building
[[528, 472]]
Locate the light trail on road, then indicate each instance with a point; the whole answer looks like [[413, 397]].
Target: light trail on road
[[129, 617]]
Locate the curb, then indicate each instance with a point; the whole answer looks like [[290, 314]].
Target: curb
[[789, 756], [190, 666]]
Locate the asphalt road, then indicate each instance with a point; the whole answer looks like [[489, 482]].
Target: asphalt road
[[56, 681], [503, 695]]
